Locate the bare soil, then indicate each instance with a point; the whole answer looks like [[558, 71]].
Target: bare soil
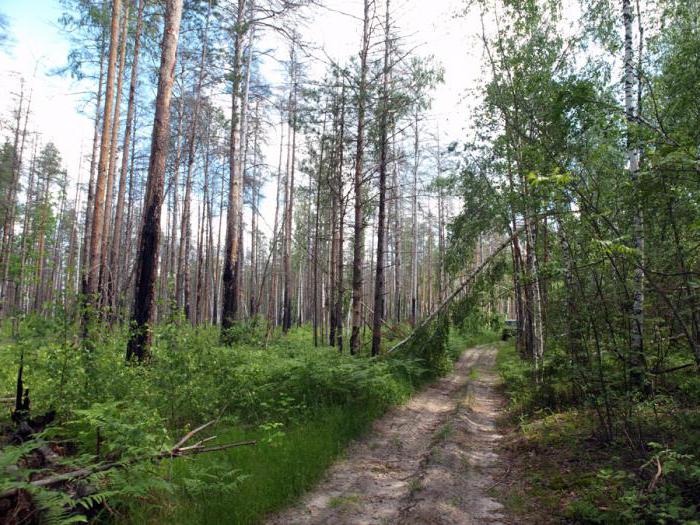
[[431, 461]]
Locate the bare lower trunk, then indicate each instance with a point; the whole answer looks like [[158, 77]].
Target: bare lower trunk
[[358, 243], [637, 359], [147, 263], [381, 214], [117, 248], [414, 229], [228, 312], [97, 226]]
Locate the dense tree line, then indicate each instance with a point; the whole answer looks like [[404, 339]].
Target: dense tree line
[[587, 156], [169, 227]]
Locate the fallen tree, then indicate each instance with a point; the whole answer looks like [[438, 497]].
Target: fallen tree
[[466, 282]]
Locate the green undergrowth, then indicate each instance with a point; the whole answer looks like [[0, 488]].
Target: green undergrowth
[[261, 478], [301, 404], [562, 470]]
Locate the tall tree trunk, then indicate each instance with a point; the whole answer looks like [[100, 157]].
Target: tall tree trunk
[[358, 247], [442, 274], [228, 312], [105, 269], [340, 286], [334, 227], [272, 300], [147, 263], [210, 273], [69, 284], [398, 209], [97, 226], [316, 256], [414, 227], [217, 282], [199, 310], [242, 162], [42, 223], [637, 358], [19, 294], [126, 255], [89, 202], [254, 218], [115, 275], [185, 224], [378, 317], [289, 202]]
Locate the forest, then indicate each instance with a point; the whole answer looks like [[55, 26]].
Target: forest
[[315, 263]]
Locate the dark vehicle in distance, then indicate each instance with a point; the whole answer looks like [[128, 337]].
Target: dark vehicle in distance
[[510, 329]]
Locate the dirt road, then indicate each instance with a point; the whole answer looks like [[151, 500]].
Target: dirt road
[[431, 461]]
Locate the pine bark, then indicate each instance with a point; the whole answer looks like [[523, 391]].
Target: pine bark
[[147, 263], [358, 242], [97, 226], [379, 280], [115, 276], [105, 268], [228, 312]]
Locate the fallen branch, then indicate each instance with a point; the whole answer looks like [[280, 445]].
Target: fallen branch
[[172, 453], [189, 435], [467, 281], [178, 450]]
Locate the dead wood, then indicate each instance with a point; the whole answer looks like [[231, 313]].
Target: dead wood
[[178, 450]]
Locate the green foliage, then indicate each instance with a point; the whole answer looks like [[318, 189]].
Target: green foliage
[[251, 332], [611, 483], [672, 498], [301, 404], [117, 429], [429, 344], [93, 491]]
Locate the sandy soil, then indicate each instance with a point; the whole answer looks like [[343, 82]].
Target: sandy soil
[[431, 461]]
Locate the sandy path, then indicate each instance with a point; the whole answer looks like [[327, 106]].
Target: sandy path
[[431, 461]]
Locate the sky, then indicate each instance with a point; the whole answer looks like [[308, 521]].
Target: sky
[[58, 102], [37, 46]]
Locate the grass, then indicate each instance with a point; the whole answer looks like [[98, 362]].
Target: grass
[[415, 485], [444, 432], [344, 501], [273, 473]]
